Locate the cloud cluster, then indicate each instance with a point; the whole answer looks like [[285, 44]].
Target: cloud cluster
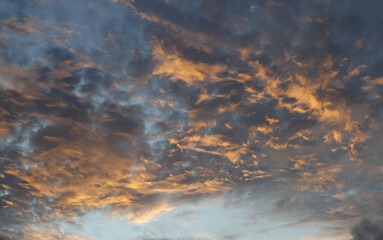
[[141, 106]]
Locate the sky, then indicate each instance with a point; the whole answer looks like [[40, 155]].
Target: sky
[[191, 120]]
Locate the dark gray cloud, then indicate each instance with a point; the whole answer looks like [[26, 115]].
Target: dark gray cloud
[[367, 230], [3, 238]]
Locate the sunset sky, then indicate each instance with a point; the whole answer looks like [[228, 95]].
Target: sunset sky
[[191, 120]]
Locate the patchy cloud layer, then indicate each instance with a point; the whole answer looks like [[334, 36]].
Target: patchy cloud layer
[[138, 107]]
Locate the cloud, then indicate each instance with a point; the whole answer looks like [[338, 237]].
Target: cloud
[[4, 236], [139, 108], [367, 230]]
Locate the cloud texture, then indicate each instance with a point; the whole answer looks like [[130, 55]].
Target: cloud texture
[[139, 107]]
